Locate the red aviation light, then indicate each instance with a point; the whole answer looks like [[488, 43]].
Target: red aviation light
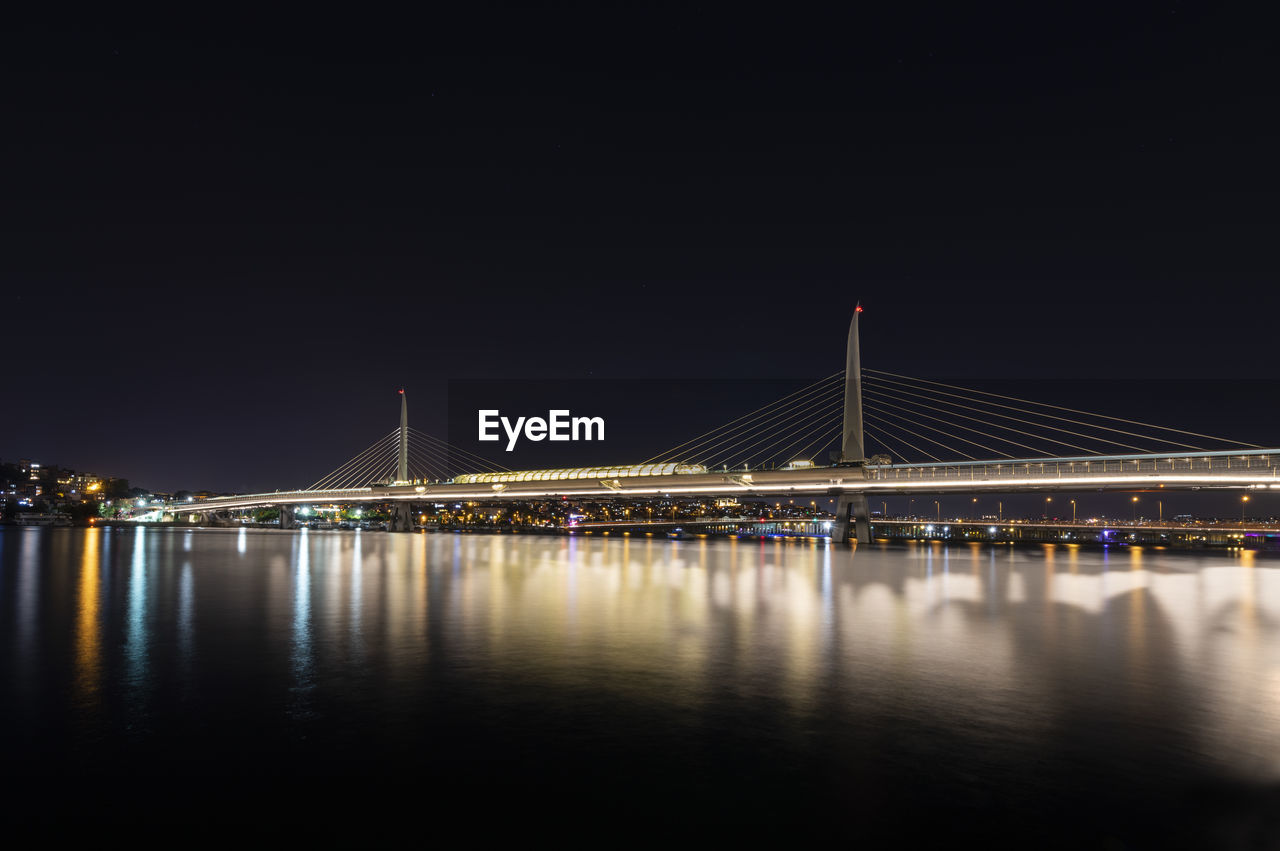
[[857, 309]]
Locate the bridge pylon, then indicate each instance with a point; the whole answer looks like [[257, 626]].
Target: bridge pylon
[[851, 447], [852, 507], [402, 469], [401, 519]]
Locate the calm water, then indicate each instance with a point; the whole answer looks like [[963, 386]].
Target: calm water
[[553, 686]]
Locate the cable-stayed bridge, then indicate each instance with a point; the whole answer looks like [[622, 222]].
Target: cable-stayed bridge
[[879, 433]]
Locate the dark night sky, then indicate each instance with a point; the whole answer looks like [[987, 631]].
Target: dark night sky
[[227, 243]]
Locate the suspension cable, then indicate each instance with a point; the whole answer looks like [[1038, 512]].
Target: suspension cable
[[749, 429], [679, 447], [1073, 411], [1059, 428]]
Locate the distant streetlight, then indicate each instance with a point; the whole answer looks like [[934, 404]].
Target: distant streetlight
[[1135, 509], [973, 509], [1243, 500], [938, 506], [1073, 511], [1047, 500]]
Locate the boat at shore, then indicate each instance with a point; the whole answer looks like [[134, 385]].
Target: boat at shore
[[34, 518]]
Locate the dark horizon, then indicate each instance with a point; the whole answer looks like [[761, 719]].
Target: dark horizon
[[228, 248]]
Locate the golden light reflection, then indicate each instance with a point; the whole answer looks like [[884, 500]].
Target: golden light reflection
[[1248, 593], [88, 633], [647, 619]]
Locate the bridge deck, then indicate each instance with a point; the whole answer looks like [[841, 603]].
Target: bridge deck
[[1251, 469]]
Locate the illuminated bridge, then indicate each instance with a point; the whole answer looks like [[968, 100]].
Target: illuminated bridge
[[1003, 444]]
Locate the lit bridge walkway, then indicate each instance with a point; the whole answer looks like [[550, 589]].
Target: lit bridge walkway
[[864, 420], [1251, 469]]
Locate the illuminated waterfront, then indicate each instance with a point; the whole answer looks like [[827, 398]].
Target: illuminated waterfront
[[731, 687]]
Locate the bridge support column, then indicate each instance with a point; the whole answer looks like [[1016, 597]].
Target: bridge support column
[[286, 517], [401, 517], [852, 509]]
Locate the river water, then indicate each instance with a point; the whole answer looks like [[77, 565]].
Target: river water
[[710, 688]]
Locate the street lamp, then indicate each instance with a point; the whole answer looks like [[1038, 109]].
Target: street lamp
[[1047, 500], [1135, 509], [973, 509], [1073, 511], [1243, 500], [938, 506]]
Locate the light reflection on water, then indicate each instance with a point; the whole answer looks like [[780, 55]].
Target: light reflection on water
[[137, 614], [88, 627], [303, 666], [1124, 667]]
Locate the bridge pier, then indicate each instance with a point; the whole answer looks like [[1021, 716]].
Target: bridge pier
[[401, 517], [286, 517], [852, 508]]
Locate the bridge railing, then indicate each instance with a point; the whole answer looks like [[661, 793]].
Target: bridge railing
[[317, 495], [1268, 464]]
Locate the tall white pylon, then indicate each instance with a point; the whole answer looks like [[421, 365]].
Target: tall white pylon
[[402, 471]]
